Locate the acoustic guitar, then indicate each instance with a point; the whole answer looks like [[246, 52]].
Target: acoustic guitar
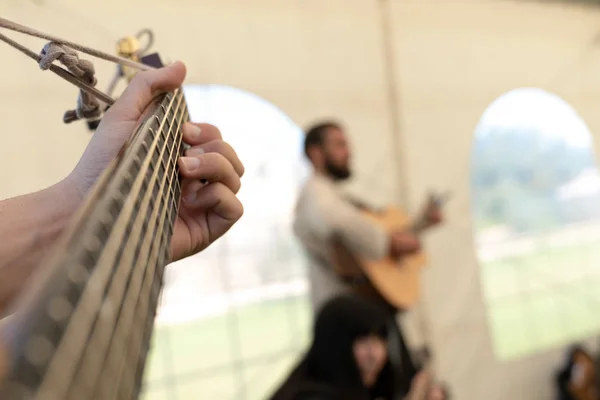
[[86, 326], [397, 282]]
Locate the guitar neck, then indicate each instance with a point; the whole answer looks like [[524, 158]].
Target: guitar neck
[[86, 325]]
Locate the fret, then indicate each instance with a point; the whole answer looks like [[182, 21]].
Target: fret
[[147, 244], [132, 364], [86, 313], [91, 325], [135, 351], [91, 365]]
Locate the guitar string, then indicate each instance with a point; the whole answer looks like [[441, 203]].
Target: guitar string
[[130, 378], [57, 378], [135, 339], [100, 339], [16, 27], [117, 286], [124, 375], [92, 343], [132, 299], [87, 88], [39, 325], [143, 336]]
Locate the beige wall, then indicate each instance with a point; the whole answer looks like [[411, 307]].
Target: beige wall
[[308, 58], [317, 58], [454, 59]]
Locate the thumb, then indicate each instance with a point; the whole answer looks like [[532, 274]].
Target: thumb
[[120, 120], [142, 89]]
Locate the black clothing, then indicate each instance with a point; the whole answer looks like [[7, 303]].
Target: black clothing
[[328, 371]]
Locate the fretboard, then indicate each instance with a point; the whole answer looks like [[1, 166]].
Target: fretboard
[[86, 330]]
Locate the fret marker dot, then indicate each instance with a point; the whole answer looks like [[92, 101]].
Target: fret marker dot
[[95, 243], [38, 350], [59, 309], [78, 274]]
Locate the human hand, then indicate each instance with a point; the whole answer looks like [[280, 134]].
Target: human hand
[[419, 386], [403, 243], [207, 211], [432, 213]]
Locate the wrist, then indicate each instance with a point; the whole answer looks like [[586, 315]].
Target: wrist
[[33, 223], [63, 198]]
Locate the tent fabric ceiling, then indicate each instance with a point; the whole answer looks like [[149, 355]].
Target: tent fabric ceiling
[[316, 58]]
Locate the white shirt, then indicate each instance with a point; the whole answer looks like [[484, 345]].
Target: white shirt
[[322, 211]]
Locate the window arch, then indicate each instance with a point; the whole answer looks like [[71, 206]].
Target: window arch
[[233, 318], [535, 190]]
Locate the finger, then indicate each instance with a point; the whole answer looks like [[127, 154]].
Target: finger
[[142, 89], [222, 207], [196, 134], [212, 167], [221, 147]]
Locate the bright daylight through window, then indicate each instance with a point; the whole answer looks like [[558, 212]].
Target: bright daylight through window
[[535, 191], [233, 319]]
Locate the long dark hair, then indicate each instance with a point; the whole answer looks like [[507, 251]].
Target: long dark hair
[[329, 365]]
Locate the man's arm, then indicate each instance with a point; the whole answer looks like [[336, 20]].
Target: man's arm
[[326, 215], [30, 225], [329, 215]]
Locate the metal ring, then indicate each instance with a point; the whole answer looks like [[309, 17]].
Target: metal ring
[[150, 35]]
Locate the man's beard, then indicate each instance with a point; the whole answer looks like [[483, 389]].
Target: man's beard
[[336, 172]]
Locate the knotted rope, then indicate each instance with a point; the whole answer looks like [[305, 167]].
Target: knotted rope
[[88, 106], [79, 72]]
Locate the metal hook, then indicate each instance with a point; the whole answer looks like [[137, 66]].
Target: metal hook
[[150, 35]]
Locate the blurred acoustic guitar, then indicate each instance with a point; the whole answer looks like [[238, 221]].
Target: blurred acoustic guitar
[[397, 282]]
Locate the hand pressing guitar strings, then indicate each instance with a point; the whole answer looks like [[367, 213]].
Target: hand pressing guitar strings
[[30, 224], [207, 210]]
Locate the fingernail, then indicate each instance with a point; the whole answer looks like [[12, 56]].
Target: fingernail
[[193, 131], [194, 151], [190, 163]]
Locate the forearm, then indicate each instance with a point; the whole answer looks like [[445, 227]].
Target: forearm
[[30, 225], [366, 240]]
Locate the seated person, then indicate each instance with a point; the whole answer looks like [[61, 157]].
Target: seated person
[[348, 358]]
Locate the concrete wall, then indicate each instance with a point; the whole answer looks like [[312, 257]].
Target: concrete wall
[[316, 58]]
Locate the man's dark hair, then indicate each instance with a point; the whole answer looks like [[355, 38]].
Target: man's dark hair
[[315, 135]]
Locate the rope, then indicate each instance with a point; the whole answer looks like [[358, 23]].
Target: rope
[[13, 26], [88, 107], [79, 72], [59, 71]]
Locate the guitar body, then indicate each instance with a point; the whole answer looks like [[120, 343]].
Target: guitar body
[[396, 282]]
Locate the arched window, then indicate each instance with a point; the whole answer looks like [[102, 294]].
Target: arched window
[[536, 205], [233, 319]]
